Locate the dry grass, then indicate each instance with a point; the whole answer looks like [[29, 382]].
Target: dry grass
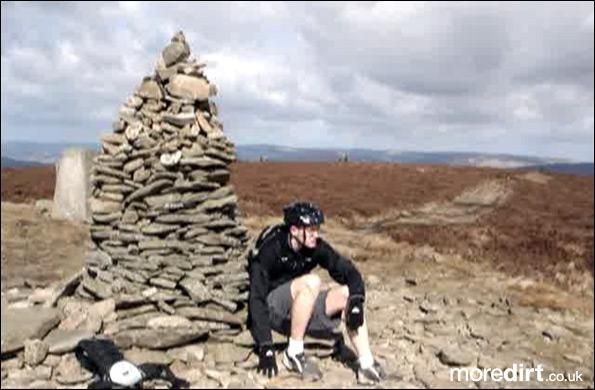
[[545, 295], [37, 249]]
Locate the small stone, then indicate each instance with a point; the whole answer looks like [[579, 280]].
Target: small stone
[[175, 52], [170, 159], [555, 332], [135, 102], [573, 358], [44, 206], [35, 351], [427, 307], [373, 280], [456, 356], [70, 372], [149, 89]]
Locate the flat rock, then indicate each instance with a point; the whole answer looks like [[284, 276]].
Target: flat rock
[[19, 325], [104, 206], [199, 313], [182, 119], [113, 138], [133, 165], [140, 356], [63, 340], [169, 322], [165, 200], [219, 203], [163, 283], [158, 338], [186, 219], [202, 162], [189, 87], [149, 189]]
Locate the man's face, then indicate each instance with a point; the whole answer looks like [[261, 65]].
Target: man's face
[[311, 234]]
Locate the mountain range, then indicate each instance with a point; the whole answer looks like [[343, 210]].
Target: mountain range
[[18, 153]]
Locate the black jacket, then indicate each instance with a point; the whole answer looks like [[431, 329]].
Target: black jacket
[[277, 263]]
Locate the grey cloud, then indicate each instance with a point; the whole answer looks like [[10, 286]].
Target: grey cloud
[[427, 76]]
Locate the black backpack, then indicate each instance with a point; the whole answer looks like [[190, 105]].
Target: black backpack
[[99, 355], [265, 235]]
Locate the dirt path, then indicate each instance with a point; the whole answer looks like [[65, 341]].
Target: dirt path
[[466, 207]]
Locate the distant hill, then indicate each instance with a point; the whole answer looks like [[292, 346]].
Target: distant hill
[[282, 153], [584, 169], [11, 163], [48, 153], [45, 153]]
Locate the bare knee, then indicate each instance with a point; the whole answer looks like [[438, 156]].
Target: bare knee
[[309, 283], [313, 282]]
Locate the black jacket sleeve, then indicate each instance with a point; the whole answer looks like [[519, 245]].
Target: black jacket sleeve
[[342, 270], [258, 311]]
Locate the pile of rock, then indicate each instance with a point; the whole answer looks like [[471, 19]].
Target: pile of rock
[[166, 232]]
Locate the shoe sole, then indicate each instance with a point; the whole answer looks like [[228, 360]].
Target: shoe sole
[[288, 364], [290, 367]]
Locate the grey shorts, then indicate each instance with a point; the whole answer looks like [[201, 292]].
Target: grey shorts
[[321, 326]]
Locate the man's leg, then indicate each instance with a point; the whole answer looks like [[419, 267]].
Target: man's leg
[[304, 291], [369, 371], [336, 301]]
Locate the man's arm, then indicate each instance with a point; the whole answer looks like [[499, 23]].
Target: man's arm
[[341, 269], [257, 304]]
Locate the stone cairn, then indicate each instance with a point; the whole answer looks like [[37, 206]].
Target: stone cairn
[[167, 242]]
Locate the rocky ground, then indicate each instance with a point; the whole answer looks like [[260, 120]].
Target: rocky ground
[[428, 312]]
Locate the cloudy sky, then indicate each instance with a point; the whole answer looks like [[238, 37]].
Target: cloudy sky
[[509, 77]]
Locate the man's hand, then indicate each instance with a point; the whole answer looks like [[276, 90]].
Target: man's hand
[[267, 364], [355, 312]]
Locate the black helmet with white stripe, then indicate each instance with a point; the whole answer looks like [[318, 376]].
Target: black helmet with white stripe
[[303, 214]]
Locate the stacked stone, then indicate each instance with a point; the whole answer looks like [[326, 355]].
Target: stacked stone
[[165, 226]]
